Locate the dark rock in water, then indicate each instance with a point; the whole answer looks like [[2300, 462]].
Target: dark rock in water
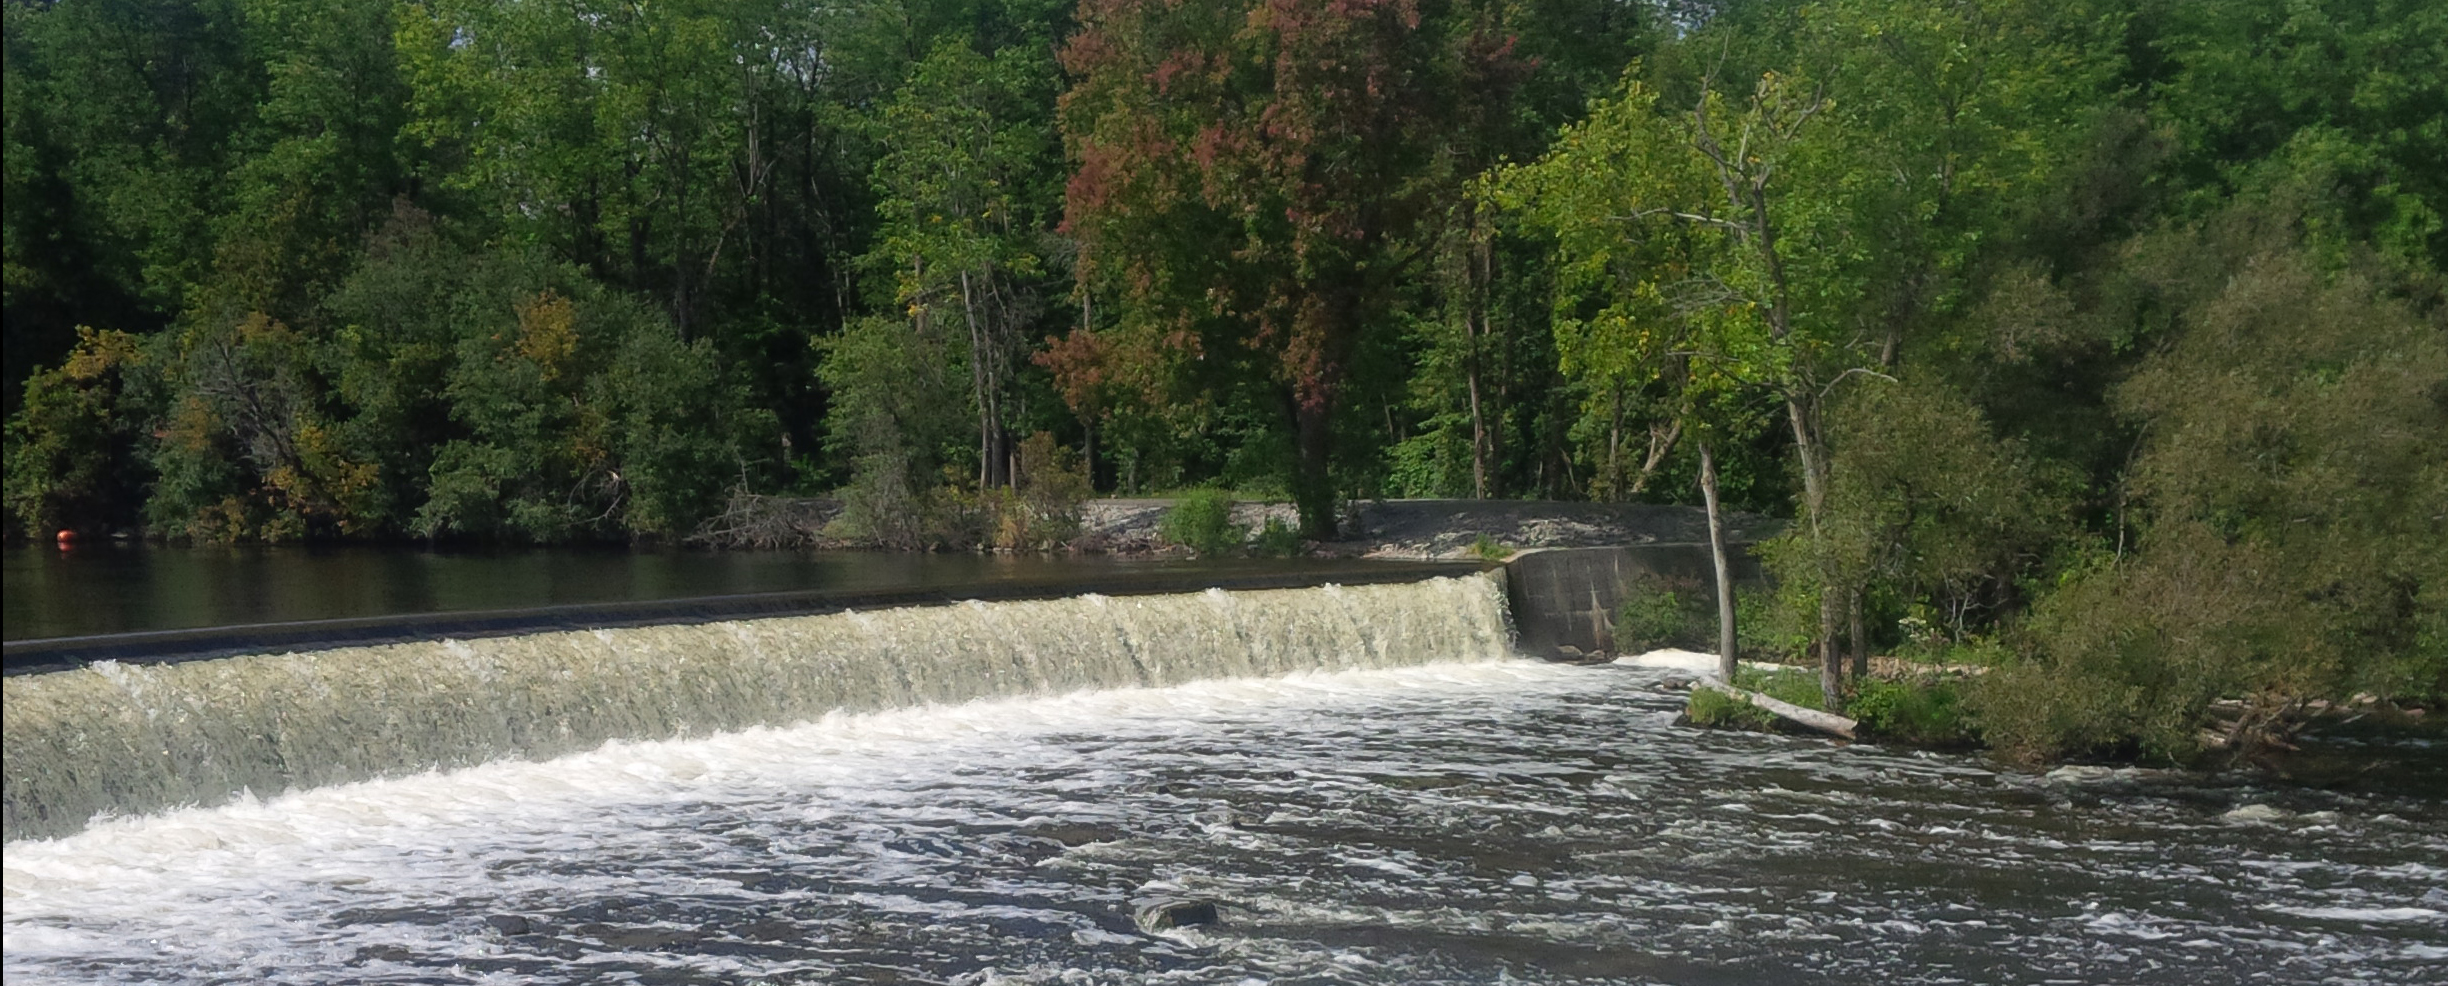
[[511, 924], [1174, 912]]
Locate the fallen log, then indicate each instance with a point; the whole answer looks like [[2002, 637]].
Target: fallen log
[[1826, 722]]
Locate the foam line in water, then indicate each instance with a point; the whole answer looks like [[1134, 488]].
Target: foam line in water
[[129, 740]]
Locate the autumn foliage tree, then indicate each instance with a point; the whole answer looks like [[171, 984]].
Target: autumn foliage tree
[[1253, 180]]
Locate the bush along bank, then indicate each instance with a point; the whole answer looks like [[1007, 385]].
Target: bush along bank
[[1939, 694], [2362, 740]]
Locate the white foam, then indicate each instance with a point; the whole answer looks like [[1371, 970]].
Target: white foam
[[2385, 915]]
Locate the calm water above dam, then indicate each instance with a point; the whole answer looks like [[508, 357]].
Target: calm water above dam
[[1475, 822], [110, 587]]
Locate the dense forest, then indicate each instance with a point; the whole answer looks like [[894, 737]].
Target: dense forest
[[2108, 337]]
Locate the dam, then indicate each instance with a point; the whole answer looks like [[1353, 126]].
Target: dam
[[1366, 782]]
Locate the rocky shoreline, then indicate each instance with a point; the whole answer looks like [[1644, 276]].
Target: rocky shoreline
[[1389, 529]]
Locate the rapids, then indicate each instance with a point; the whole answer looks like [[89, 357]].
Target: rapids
[[1478, 822]]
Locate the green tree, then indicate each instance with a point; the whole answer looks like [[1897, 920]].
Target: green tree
[[2286, 498], [966, 217], [74, 449]]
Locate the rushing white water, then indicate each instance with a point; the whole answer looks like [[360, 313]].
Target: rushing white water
[[1447, 823], [130, 739]]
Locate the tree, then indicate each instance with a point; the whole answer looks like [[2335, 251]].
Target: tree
[[1643, 299], [2287, 492], [74, 456], [967, 152], [1255, 180]]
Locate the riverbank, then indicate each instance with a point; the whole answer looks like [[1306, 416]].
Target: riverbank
[[2363, 743], [1443, 530]]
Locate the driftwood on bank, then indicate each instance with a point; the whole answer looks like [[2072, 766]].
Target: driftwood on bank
[[1826, 722], [749, 520]]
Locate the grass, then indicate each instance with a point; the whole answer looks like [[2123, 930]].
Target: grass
[[1795, 686], [1922, 711]]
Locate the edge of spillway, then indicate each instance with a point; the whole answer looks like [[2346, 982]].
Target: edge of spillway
[[204, 643]]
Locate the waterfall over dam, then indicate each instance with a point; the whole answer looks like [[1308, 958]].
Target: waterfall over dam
[[125, 739]]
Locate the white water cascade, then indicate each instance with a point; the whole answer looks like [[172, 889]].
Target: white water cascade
[[125, 739]]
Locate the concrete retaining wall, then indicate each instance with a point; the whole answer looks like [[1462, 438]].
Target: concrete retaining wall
[[1566, 597]]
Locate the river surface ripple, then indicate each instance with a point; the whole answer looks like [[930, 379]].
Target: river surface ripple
[[1475, 823]]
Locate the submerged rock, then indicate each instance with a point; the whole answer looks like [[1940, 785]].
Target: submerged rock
[[2255, 813], [1173, 912], [511, 924]]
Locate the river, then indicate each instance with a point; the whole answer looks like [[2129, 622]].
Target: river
[[1473, 822], [113, 587]]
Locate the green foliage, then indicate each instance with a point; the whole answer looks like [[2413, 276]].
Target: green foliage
[[1666, 611], [1710, 707], [898, 414], [1925, 712], [1201, 520], [2102, 343], [73, 460], [1716, 709], [1277, 539], [1793, 686], [2311, 572], [1041, 510]]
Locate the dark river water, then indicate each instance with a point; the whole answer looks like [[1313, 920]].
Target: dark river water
[[1508, 822], [115, 588]]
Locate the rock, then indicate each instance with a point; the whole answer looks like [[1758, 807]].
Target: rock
[[2255, 813], [511, 924], [2080, 774], [1173, 912]]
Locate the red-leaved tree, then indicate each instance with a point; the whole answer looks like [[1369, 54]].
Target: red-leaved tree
[[1254, 179]]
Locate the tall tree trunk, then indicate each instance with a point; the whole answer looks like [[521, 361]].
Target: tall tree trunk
[[1727, 659], [1479, 441], [1312, 482], [1088, 453], [1615, 422], [1808, 445], [981, 383], [1659, 445], [1474, 328], [1855, 634]]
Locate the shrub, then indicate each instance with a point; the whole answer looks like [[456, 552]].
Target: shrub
[[73, 450], [1277, 540], [1710, 707], [1793, 686], [1665, 611], [1490, 549], [1927, 712], [1202, 522]]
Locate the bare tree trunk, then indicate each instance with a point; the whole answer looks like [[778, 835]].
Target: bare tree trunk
[[1479, 443], [1615, 417], [1855, 636], [1659, 445], [980, 380], [1474, 328], [1727, 659], [1807, 446]]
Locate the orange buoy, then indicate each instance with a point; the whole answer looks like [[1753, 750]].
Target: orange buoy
[[66, 537]]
